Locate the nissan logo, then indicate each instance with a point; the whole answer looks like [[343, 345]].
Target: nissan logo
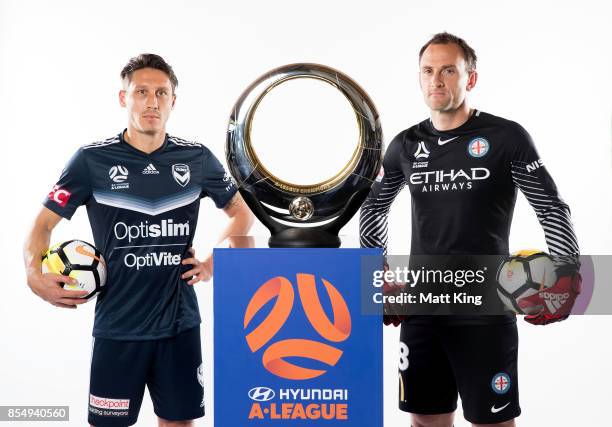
[[261, 394]]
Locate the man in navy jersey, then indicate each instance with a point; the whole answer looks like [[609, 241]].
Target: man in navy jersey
[[142, 189], [463, 168]]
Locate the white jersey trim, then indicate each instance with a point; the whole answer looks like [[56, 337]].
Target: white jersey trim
[[183, 143], [105, 143]]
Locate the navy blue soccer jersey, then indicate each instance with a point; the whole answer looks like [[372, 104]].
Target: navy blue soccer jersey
[[143, 210]]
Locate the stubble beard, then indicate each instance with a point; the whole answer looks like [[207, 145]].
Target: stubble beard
[[151, 131]]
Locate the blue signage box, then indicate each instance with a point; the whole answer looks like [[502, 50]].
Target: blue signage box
[[292, 346]]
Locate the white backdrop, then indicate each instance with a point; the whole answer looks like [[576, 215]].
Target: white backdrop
[[544, 64]]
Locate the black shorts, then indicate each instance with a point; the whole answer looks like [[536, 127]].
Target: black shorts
[[171, 368], [478, 362]]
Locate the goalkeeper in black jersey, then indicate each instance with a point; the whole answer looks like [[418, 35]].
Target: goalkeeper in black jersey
[[463, 168]]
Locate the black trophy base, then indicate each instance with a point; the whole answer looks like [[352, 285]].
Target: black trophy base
[[304, 238]]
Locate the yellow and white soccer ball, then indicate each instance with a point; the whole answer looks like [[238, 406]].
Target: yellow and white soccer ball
[[523, 274], [79, 260]]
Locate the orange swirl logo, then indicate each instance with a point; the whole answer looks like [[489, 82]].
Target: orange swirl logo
[[282, 290]]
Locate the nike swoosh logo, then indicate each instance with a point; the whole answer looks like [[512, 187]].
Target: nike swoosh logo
[[496, 410], [442, 142]]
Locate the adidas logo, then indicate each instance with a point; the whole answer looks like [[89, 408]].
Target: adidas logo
[[150, 170], [554, 301]]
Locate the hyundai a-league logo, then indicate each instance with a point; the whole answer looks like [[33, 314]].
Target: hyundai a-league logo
[[279, 356], [500, 383], [478, 147], [181, 174], [421, 152], [118, 173]]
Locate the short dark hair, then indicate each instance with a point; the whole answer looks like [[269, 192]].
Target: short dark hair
[[445, 38], [149, 60]]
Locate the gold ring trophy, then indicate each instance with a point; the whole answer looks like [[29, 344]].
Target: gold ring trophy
[[299, 215]]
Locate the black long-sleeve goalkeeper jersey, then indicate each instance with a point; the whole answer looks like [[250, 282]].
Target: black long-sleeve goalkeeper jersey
[[463, 184]]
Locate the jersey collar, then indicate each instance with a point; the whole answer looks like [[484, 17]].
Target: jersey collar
[[136, 150], [456, 131]]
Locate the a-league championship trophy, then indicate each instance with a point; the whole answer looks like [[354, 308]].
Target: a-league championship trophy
[[315, 213], [292, 345]]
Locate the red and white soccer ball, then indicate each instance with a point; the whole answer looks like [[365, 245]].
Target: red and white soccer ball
[[523, 274], [79, 260]]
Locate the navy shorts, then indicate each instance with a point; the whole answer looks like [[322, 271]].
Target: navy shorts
[[438, 361], [171, 368]]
